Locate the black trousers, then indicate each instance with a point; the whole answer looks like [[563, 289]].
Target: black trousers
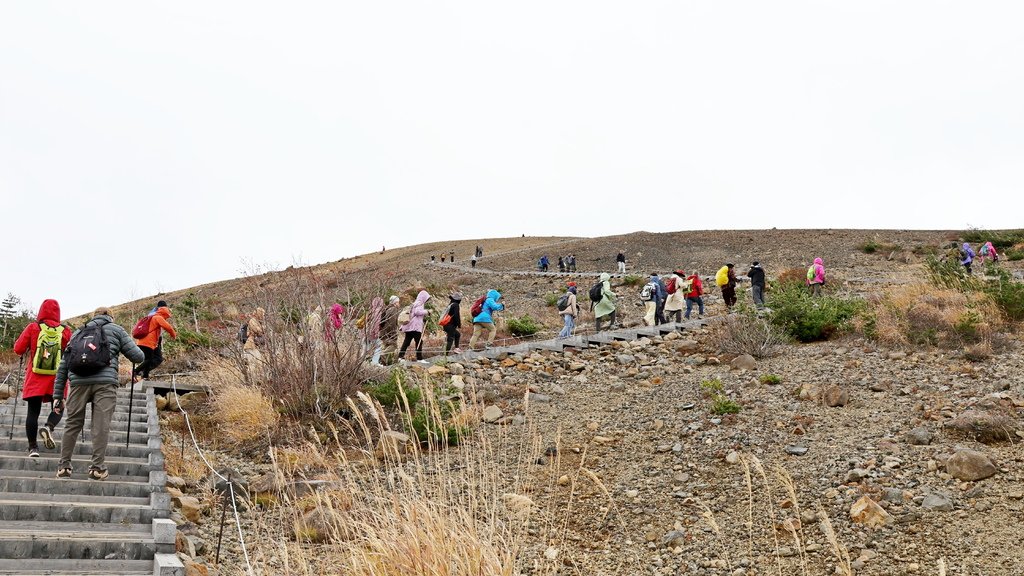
[[154, 358], [454, 336], [409, 337], [35, 406]]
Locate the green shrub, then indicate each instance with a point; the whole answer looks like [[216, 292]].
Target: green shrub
[[551, 300], [188, 340], [722, 405], [967, 326], [712, 386], [1014, 255], [632, 280], [522, 326], [389, 392], [772, 379], [1008, 295], [808, 318], [1000, 239], [436, 427]]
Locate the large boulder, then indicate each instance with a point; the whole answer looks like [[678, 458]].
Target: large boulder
[[970, 465], [986, 426], [743, 362], [492, 414], [835, 396]]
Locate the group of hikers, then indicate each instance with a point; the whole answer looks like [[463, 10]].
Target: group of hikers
[[565, 263], [71, 370], [477, 254], [968, 255]]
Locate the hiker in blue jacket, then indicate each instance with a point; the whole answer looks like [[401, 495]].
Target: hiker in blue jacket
[[484, 320]]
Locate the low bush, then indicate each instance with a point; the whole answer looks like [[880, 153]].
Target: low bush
[[245, 415], [808, 318], [632, 280], [748, 333], [722, 405], [999, 239], [522, 326], [551, 299], [874, 245], [388, 392], [771, 379], [927, 315]]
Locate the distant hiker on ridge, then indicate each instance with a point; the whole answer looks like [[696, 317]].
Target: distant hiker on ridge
[[620, 260], [967, 257], [757, 283], [602, 300], [152, 343], [561, 264], [44, 340], [91, 365], [572, 263]]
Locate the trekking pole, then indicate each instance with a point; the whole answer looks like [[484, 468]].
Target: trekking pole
[[223, 515], [14, 413], [131, 402]]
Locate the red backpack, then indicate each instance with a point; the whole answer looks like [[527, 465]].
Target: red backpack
[[670, 286], [141, 328], [478, 306]]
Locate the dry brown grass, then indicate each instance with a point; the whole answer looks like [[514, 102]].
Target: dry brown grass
[[921, 314], [244, 413]]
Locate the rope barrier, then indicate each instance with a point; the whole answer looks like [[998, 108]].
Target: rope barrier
[[231, 485]]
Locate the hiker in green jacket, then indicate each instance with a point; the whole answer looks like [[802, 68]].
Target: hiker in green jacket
[[605, 307]]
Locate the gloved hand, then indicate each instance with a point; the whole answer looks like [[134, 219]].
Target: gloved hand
[[58, 405]]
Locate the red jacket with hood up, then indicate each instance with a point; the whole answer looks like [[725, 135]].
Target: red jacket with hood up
[[39, 384]]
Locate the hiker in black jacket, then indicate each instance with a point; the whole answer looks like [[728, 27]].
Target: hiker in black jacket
[[757, 284], [451, 329]]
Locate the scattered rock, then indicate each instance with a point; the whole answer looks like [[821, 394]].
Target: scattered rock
[[732, 458], [938, 502], [970, 465], [835, 396], [492, 414], [192, 400], [625, 359], [743, 362], [796, 450], [191, 508], [920, 436], [673, 539], [986, 426], [866, 511]]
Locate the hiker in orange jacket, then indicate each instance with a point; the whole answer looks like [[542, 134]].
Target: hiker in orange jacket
[[151, 343]]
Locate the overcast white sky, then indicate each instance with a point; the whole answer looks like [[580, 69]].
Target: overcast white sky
[[153, 146]]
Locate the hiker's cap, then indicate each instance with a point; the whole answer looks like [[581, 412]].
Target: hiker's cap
[[162, 304], [756, 263], [457, 296], [571, 284], [680, 273]]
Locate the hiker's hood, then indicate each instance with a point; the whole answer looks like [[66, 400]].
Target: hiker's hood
[[967, 247], [493, 294], [163, 311], [605, 277], [422, 297], [572, 289], [817, 261], [49, 312]]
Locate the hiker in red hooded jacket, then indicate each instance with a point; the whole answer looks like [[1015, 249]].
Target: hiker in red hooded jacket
[[151, 343], [38, 387]]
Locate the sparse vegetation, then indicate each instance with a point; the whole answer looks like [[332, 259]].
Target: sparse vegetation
[[874, 245], [522, 326], [632, 280], [808, 318], [771, 379], [749, 333]]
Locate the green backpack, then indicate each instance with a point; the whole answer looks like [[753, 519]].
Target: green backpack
[[810, 274], [47, 357]]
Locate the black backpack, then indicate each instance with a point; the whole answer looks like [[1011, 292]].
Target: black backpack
[[596, 292], [563, 302], [243, 332], [88, 352]]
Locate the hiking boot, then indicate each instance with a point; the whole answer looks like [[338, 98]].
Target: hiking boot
[[47, 438], [33, 452], [64, 472], [457, 351], [97, 474]]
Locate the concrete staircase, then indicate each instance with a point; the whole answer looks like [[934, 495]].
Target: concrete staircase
[[119, 526]]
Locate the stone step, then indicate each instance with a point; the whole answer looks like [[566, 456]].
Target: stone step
[[121, 466], [76, 487], [77, 540], [81, 468], [139, 423], [70, 567], [134, 450], [61, 508]]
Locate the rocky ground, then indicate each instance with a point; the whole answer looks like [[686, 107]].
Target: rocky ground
[[932, 439], [912, 456]]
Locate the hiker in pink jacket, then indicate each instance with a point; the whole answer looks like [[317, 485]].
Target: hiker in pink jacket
[[816, 276], [414, 327]]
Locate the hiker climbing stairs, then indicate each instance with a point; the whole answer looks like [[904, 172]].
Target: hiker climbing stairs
[[119, 526]]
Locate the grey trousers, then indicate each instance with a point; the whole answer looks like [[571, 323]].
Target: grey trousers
[[104, 399], [758, 293]]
